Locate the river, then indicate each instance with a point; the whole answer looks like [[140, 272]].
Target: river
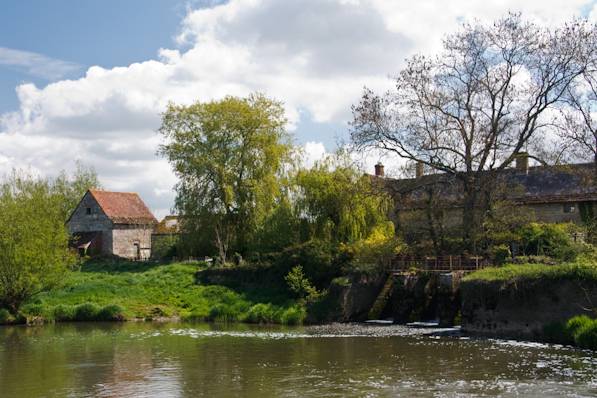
[[207, 360]]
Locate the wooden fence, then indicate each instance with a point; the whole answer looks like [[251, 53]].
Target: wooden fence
[[438, 264]]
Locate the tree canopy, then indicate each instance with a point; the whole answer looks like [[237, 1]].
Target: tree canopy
[[228, 155], [477, 104], [34, 254]]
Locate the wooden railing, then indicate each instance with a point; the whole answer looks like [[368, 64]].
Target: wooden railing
[[438, 263]]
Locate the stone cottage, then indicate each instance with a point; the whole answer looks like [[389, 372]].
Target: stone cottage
[[112, 223]]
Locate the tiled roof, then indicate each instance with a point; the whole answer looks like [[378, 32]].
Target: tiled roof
[[540, 184], [123, 207]]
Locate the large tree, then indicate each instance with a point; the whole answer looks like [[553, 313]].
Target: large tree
[[338, 202], [34, 254], [228, 155], [578, 131], [479, 103]]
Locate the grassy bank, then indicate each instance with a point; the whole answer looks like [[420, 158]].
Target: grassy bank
[[126, 291], [583, 270]]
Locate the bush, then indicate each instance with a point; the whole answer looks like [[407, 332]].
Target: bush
[[586, 337], [86, 312], [261, 313], [316, 259], [35, 309], [224, 313], [5, 317], [500, 254], [557, 332], [64, 313], [300, 285], [293, 316], [553, 240], [584, 331], [111, 312]]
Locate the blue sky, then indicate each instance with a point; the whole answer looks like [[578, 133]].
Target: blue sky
[[107, 33], [93, 77]]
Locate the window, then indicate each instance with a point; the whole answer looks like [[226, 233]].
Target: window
[[88, 210], [569, 208]]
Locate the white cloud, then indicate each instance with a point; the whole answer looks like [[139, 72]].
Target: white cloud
[[37, 64], [315, 55]]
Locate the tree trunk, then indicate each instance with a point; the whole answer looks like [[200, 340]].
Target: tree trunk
[[469, 216]]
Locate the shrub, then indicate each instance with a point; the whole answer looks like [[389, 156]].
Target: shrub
[[553, 240], [86, 312], [557, 332], [261, 313], [64, 313], [223, 312], [5, 317], [294, 315], [299, 284], [316, 259], [584, 331], [500, 254], [111, 312], [35, 309], [586, 336]]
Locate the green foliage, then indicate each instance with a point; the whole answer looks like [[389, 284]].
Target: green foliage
[[262, 313], [64, 313], [558, 333], [300, 285], [111, 312], [341, 204], [316, 259], [164, 246], [5, 316], [34, 254], [553, 240], [509, 272], [294, 315], [584, 331], [106, 290], [86, 312], [70, 189], [228, 156], [500, 254], [379, 248]]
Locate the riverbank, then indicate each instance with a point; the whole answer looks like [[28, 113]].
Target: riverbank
[[537, 302], [118, 290]]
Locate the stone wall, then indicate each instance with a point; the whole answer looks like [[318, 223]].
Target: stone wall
[[554, 213], [522, 309], [81, 221], [124, 238]]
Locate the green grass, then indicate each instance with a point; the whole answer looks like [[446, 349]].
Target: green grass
[[122, 290], [585, 270]]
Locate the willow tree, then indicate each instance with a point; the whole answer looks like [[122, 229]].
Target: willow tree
[[340, 204], [477, 104], [228, 155]]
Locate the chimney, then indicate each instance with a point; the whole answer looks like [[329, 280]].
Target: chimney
[[420, 169], [522, 162], [379, 172]]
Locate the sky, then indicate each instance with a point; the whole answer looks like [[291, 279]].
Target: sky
[[87, 81]]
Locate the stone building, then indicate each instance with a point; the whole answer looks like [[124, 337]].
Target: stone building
[[552, 194], [112, 223]]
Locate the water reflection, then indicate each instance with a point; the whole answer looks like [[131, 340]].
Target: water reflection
[[141, 359]]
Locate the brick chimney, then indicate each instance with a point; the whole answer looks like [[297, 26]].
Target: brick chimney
[[379, 172], [419, 169], [522, 162]]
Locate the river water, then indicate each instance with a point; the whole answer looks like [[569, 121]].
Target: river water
[[206, 360]]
